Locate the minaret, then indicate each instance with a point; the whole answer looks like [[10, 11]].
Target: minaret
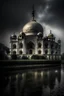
[[50, 31], [13, 41]]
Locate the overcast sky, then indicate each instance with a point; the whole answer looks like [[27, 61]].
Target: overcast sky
[[14, 14]]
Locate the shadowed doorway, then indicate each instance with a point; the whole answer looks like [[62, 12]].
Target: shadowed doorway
[[30, 47]]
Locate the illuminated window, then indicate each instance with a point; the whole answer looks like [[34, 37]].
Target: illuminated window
[[39, 45], [14, 46], [39, 52]]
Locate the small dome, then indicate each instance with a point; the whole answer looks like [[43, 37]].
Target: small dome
[[21, 35], [59, 41], [32, 27], [40, 33], [13, 36], [51, 35]]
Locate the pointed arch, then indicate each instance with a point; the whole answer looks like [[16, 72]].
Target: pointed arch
[[30, 45]]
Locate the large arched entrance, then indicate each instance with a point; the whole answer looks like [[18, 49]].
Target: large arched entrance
[[30, 47]]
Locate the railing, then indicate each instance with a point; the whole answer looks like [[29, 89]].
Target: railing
[[53, 57]]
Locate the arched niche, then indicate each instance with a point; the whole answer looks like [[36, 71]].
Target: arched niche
[[30, 47]]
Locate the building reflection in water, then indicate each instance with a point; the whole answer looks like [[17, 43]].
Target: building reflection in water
[[37, 82]]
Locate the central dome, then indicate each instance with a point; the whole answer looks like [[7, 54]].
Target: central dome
[[32, 27]]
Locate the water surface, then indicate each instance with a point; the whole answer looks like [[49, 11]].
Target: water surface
[[34, 82]]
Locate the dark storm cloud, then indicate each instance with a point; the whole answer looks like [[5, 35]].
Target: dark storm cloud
[[15, 12], [55, 13]]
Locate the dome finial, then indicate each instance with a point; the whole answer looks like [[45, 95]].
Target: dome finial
[[33, 12]]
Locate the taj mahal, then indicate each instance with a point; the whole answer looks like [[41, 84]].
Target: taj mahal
[[31, 41]]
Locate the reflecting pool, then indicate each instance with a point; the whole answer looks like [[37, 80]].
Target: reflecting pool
[[34, 82]]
